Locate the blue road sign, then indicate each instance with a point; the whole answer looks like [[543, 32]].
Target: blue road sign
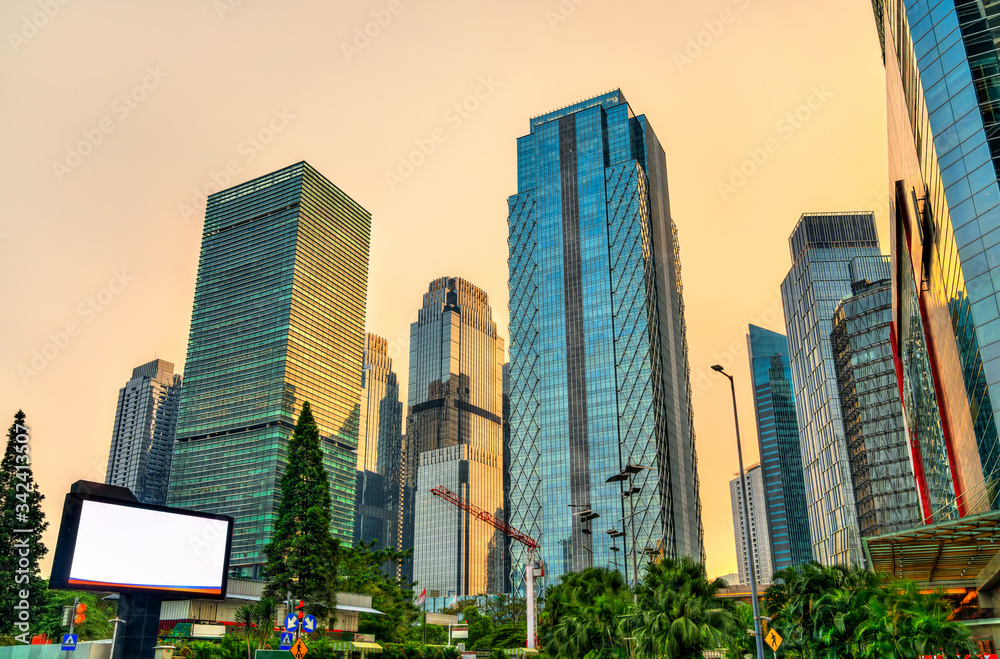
[[291, 622], [309, 624], [286, 640], [69, 642]]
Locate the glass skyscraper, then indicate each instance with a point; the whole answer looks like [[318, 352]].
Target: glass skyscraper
[[760, 538], [278, 319], [454, 434], [599, 375], [780, 453], [822, 247], [142, 442], [885, 489], [380, 428], [943, 102]]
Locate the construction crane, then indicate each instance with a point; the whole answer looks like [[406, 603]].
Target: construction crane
[[531, 570]]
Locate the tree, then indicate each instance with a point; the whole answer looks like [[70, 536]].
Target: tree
[[244, 616], [22, 523], [740, 643], [581, 613], [301, 557], [677, 613], [360, 571]]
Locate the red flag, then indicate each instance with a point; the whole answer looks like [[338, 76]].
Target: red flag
[[423, 596]]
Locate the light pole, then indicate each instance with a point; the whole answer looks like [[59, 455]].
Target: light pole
[[746, 522], [626, 474]]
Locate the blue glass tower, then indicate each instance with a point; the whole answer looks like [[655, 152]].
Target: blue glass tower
[[780, 453], [599, 375]]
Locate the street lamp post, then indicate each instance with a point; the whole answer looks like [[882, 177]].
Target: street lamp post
[[626, 474], [746, 522]]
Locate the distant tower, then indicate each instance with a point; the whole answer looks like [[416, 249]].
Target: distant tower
[[142, 442], [454, 432], [884, 485], [822, 247], [278, 320], [379, 448], [780, 452], [759, 538]]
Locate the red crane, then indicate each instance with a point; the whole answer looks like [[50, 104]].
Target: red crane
[[531, 570], [489, 518]]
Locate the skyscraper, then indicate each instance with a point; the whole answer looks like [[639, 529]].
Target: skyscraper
[[278, 319], [822, 247], [760, 538], [780, 453], [884, 485], [380, 428], [599, 375], [942, 110], [454, 431], [142, 442]]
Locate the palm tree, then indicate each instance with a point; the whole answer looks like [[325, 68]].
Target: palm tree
[[740, 642], [263, 616], [581, 614], [245, 616], [677, 613]]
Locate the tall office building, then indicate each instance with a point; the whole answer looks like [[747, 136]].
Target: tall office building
[[760, 538], [780, 453], [454, 430], [142, 442], [942, 103], [884, 486], [599, 375], [279, 309], [507, 567], [380, 429], [822, 248]]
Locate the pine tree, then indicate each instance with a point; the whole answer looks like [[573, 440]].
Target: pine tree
[[301, 557], [21, 526]]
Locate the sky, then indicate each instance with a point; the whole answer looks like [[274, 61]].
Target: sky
[[120, 116]]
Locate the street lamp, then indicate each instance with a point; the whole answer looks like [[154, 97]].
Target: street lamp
[[628, 473], [746, 522]]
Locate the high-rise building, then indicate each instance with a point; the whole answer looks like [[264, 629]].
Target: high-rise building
[[780, 453], [822, 247], [885, 489], [279, 309], [454, 431], [380, 428], [142, 442], [507, 567], [599, 375], [944, 201], [760, 538]]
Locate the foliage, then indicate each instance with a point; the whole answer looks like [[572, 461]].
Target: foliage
[[20, 508], [418, 651], [95, 627], [677, 612], [360, 570], [301, 557], [739, 642], [581, 614], [836, 611]]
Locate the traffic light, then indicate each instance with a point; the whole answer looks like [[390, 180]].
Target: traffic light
[[299, 613], [80, 608]]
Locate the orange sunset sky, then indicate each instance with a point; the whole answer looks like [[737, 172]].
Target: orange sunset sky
[[119, 115]]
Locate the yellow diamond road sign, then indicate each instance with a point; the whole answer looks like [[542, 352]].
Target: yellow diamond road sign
[[773, 639], [299, 649]]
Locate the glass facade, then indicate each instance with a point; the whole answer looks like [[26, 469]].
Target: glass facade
[[946, 246], [760, 538], [380, 429], [780, 453], [599, 374], [822, 248], [142, 442], [454, 430], [278, 319], [885, 488]]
